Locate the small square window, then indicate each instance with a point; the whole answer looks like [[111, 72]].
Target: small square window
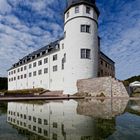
[[88, 10], [55, 57], [30, 74], [77, 9], [54, 68], [34, 73], [85, 53], [68, 14], [45, 70], [34, 64], [24, 67], [85, 28], [39, 72], [45, 60], [39, 62], [30, 66]]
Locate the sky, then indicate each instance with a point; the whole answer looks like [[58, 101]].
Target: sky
[[27, 25]]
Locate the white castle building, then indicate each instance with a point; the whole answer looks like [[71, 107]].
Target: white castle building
[[60, 64]]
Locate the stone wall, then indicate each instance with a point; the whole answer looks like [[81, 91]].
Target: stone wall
[[101, 87]]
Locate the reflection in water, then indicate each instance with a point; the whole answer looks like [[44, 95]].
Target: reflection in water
[[66, 120], [134, 107], [105, 109]]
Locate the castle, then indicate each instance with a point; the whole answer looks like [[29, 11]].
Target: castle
[[60, 64]]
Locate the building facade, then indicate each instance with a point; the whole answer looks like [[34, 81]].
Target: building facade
[[60, 64]]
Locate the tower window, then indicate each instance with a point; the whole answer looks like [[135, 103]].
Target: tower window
[[77, 9], [88, 10], [85, 28], [68, 14], [85, 53]]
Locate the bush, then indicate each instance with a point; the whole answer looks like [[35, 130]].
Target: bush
[[24, 91]]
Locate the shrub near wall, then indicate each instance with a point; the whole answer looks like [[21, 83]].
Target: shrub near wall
[[24, 92]]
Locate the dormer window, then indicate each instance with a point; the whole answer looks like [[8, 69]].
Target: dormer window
[[68, 14], [77, 9], [88, 10]]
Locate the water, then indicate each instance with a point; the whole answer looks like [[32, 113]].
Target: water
[[70, 120]]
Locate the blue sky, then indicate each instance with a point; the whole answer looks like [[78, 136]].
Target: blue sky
[[27, 25]]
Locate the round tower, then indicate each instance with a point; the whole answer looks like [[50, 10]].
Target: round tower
[[81, 42]]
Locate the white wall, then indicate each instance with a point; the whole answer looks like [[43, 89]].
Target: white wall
[[75, 68]]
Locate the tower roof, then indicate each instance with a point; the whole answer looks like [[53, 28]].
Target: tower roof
[[71, 3]]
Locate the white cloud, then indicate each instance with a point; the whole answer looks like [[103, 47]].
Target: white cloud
[[5, 8]]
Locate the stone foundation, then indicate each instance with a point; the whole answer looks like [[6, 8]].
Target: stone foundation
[[101, 87]]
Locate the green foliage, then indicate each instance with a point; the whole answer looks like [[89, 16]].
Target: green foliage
[[3, 83], [130, 80]]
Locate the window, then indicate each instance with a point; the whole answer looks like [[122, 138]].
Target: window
[[63, 61], [39, 62], [54, 136], [25, 75], [45, 122], [14, 71], [45, 70], [29, 117], [85, 28], [101, 62], [18, 77], [21, 68], [85, 54], [45, 60], [30, 74], [39, 72], [68, 14], [14, 78], [34, 119], [45, 133], [34, 64], [64, 34], [21, 76], [54, 125], [54, 68], [18, 70], [55, 57], [39, 121], [88, 10], [34, 73], [77, 9], [30, 66], [39, 130], [63, 46], [24, 67], [34, 128]]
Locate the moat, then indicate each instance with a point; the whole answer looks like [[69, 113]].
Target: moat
[[89, 119]]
